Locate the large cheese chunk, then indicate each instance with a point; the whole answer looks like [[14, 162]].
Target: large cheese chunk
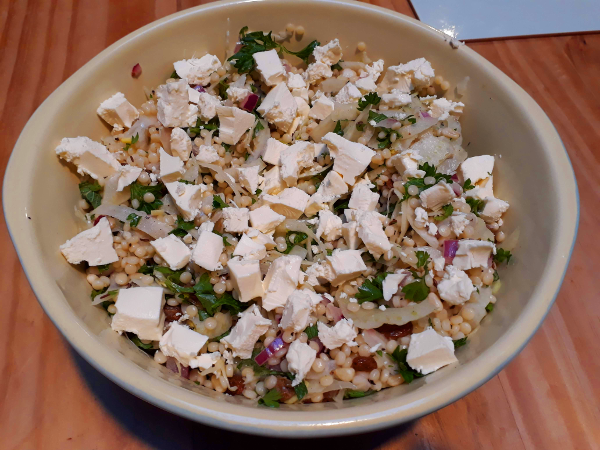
[[139, 311], [208, 250], [197, 71], [300, 358], [248, 248], [472, 253], [118, 112], [173, 105], [281, 280], [279, 107], [246, 332], [330, 226], [429, 351], [265, 219], [90, 157], [435, 197], [273, 151], [183, 344], [269, 66], [235, 220], [456, 286], [350, 158], [294, 158], [346, 265], [173, 251], [298, 307], [341, 333], [331, 188], [188, 198], [246, 278], [363, 198], [290, 203], [477, 168], [233, 123], [95, 246], [329, 54], [181, 144], [171, 167]]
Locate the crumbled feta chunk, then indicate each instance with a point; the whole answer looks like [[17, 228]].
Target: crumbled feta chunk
[[396, 99], [341, 333], [261, 238], [436, 196], [171, 167], [330, 226], [482, 190], [391, 284], [187, 198], [183, 344], [456, 286], [247, 248], [363, 198], [420, 71], [297, 310], [477, 168], [369, 76], [493, 209], [295, 81], [393, 80], [329, 54], [246, 332], [472, 253], [300, 358], [350, 158], [290, 202], [348, 94], [272, 182], [207, 154], [139, 311], [429, 351], [181, 144], [233, 123], [246, 278], [208, 249], [265, 219], [458, 222], [90, 157], [279, 107], [173, 105], [95, 246], [118, 112], [281, 280], [350, 234], [127, 176], [294, 158], [237, 94], [173, 251], [273, 151], [370, 231], [321, 108], [197, 71], [248, 177], [316, 71], [269, 66], [442, 107], [235, 220], [205, 360], [208, 104], [346, 265], [331, 188], [421, 217], [406, 161]]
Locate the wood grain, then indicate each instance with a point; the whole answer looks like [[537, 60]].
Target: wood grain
[[547, 398]]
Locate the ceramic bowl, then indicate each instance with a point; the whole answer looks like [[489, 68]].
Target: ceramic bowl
[[533, 173]]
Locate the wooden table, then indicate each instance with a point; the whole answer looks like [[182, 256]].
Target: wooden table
[[547, 398]]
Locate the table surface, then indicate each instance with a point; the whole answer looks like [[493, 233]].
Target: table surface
[[548, 397]]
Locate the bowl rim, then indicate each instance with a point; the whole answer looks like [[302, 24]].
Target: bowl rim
[[264, 421]]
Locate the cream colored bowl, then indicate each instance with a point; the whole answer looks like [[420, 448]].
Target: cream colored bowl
[[533, 173]]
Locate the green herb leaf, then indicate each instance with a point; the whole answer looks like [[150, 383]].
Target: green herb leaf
[[408, 374], [139, 190], [476, 205], [223, 86], [134, 219], [351, 393], [182, 227], [422, 258], [103, 268], [489, 307], [136, 340], [502, 255], [341, 204], [212, 304], [376, 117], [420, 182], [299, 237], [259, 371], [301, 390], [312, 331], [174, 75], [448, 210], [147, 269], [305, 53], [417, 291], [212, 124], [496, 275], [337, 66], [221, 336], [271, 398], [370, 99], [460, 342], [412, 119], [360, 126], [218, 202], [258, 127], [338, 128], [468, 186], [90, 193], [379, 352], [135, 138], [371, 290], [97, 292]]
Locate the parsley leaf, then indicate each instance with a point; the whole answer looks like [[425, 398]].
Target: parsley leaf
[[338, 128], [147, 269], [223, 86], [371, 290], [502, 255], [182, 227], [218, 202], [417, 291], [460, 342], [103, 268], [299, 237], [448, 210], [271, 398], [219, 337], [212, 124], [174, 75], [301, 390], [376, 117], [318, 178], [420, 182], [341, 204], [205, 293], [139, 190], [408, 374], [312, 331], [386, 141], [134, 219], [468, 186], [89, 192], [97, 292], [475, 204], [305, 53], [259, 371], [422, 258], [136, 340], [412, 119], [351, 393], [496, 275], [258, 127], [360, 126], [337, 66], [370, 99], [489, 307]]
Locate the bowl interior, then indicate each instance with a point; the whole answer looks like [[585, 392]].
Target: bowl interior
[[532, 173]]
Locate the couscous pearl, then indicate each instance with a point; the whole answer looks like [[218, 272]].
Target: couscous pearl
[[326, 380], [445, 85], [467, 312], [345, 374], [487, 279], [353, 307], [318, 365], [374, 375], [361, 46], [214, 347], [210, 323], [455, 320], [121, 279], [465, 328], [316, 398], [468, 231], [428, 181], [364, 350], [414, 202], [249, 394], [172, 302], [314, 345], [270, 382], [500, 236], [391, 346], [185, 277], [160, 357], [394, 380], [97, 284], [112, 309], [191, 310], [300, 30]]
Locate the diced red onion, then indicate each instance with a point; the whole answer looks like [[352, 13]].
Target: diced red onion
[[454, 177], [185, 372], [450, 248], [136, 71], [238, 47], [277, 344], [457, 188], [172, 364], [335, 312], [425, 114], [490, 261], [97, 219], [387, 123], [319, 343], [198, 88], [278, 318], [325, 300], [249, 103], [287, 67]]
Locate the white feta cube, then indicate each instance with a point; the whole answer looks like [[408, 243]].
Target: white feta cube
[[207, 154], [370, 231], [118, 112], [320, 270], [321, 108], [493, 209], [369, 76], [391, 283], [294, 158], [205, 360], [363, 198], [456, 286], [208, 250], [208, 104], [173, 108], [317, 71], [442, 107], [90, 157], [194, 95], [350, 234], [197, 71], [477, 168], [246, 332], [95, 246], [329, 54], [436, 196], [330, 226], [262, 238], [247, 248], [272, 182], [300, 358], [273, 151], [173, 251], [290, 202], [396, 99], [235, 220], [265, 219], [181, 144], [297, 310], [346, 265], [393, 80], [482, 190], [281, 280], [472, 253], [171, 167], [140, 311], [269, 66], [348, 94], [248, 177], [458, 222], [188, 198], [420, 71], [233, 123], [350, 158], [183, 344], [408, 160], [246, 278], [341, 333], [279, 107], [127, 176], [331, 188], [295, 81], [237, 94], [429, 351]]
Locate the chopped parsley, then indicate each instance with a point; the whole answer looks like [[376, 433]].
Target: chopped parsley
[[271, 398], [386, 141], [337, 66], [97, 292], [412, 119], [174, 75], [258, 127], [219, 337], [468, 186], [371, 290], [407, 373], [212, 124], [502, 256], [460, 342], [134, 140], [338, 128], [370, 99], [134, 219], [420, 182], [447, 212], [218, 202], [351, 393], [476, 205], [417, 291], [259, 371], [496, 275], [223, 86], [299, 237], [360, 126], [342, 203], [212, 304], [90, 193], [139, 190], [312, 331], [136, 340], [376, 117], [182, 227], [489, 307]]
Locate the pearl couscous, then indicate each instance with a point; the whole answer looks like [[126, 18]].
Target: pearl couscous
[[289, 226]]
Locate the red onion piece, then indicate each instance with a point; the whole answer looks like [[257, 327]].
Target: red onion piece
[[372, 338], [450, 247], [198, 88], [238, 47], [325, 301], [457, 188], [335, 312], [172, 364], [287, 67], [98, 220], [249, 103], [136, 71], [270, 350], [319, 343], [185, 372], [387, 123], [454, 177], [425, 114]]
